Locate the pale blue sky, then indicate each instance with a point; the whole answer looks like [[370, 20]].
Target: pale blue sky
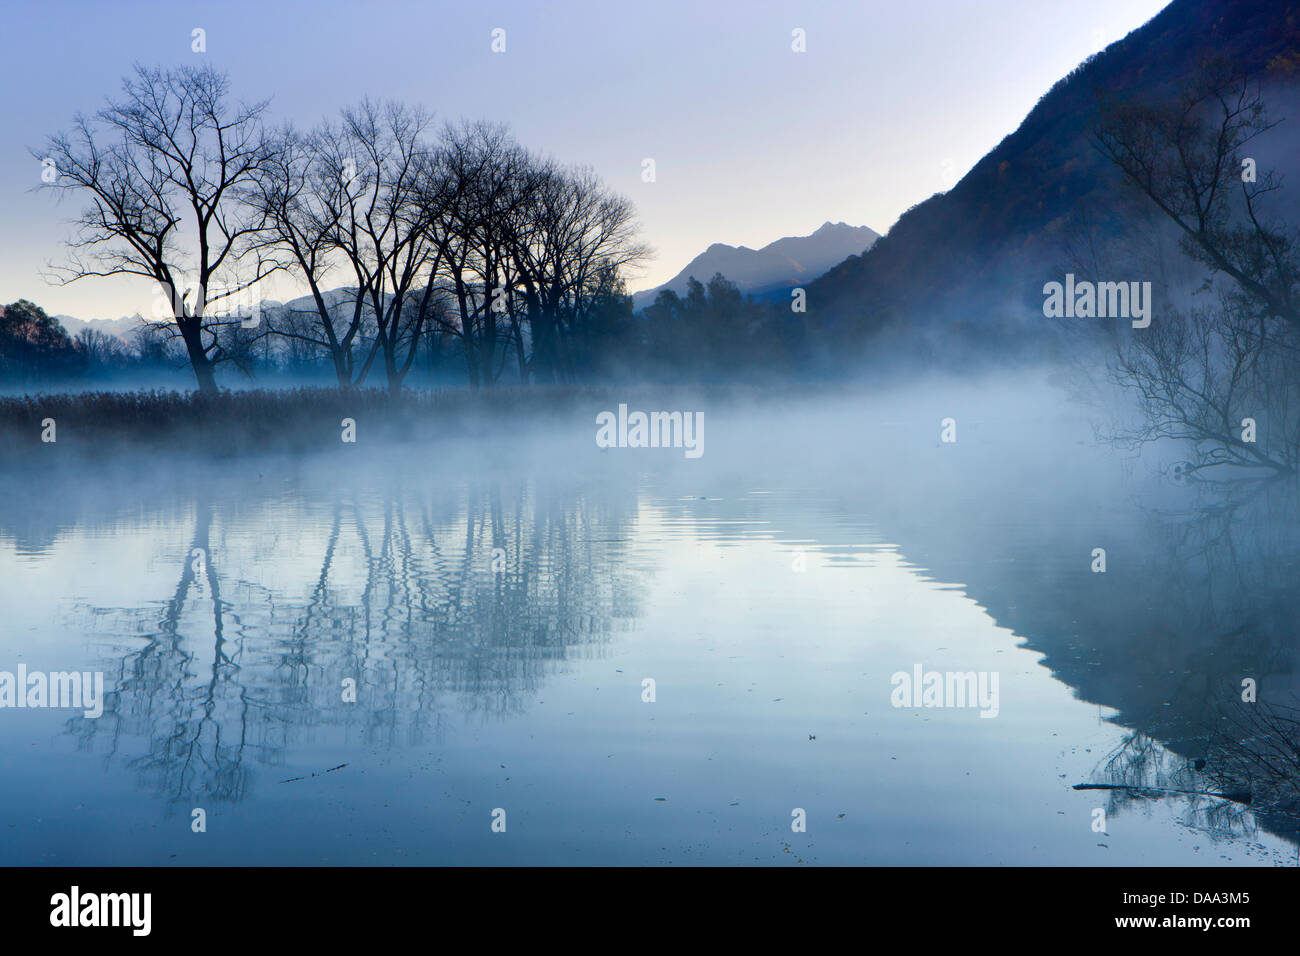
[[751, 140]]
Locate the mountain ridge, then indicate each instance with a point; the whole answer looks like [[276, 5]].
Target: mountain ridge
[[975, 256], [774, 268]]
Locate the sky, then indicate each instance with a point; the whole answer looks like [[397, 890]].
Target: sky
[[751, 141]]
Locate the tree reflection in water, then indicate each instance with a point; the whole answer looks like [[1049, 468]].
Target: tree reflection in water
[[432, 604]]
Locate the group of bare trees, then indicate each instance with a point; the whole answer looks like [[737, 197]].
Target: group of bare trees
[[455, 231]]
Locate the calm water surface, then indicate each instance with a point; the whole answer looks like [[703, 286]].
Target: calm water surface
[[499, 623]]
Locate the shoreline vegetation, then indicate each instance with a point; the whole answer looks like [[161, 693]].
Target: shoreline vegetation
[[311, 418]]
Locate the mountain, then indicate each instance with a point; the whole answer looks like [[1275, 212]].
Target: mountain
[[339, 301], [774, 269], [966, 267], [763, 273], [121, 328]]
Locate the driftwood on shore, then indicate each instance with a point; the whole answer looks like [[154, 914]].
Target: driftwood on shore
[[1237, 796]]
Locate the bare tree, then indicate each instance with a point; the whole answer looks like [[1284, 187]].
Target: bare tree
[[383, 234], [164, 167], [155, 346], [572, 234], [484, 180], [307, 191], [1200, 376], [1187, 159], [101, 349]]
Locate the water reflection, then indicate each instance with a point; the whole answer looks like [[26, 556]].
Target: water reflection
[[1189, 637], [457, 601], [1140, 770], [424, 602]]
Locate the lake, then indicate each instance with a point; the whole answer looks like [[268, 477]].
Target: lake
[[528, 649]]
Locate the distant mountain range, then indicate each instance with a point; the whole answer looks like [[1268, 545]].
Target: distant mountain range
[[774, 269], [339, 301], [762, 273], [122, 328]]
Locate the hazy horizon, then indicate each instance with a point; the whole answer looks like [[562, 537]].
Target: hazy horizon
[[773, 157]]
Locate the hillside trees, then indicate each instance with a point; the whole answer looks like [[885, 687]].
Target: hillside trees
[[1224, 377], [35, 344]]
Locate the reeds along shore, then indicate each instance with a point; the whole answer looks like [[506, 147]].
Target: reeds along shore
[[303, 419]]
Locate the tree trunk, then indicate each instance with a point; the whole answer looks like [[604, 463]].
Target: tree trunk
[[191, 334]]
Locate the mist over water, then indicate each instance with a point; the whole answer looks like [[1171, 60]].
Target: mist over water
[[500, 602]]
